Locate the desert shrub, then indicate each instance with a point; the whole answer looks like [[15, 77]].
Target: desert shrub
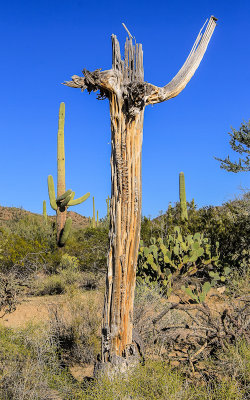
[[69, 263], [75, 326], [156, 381], [90, 246], [230, 226], [49, 285], [232, 364], [30, 368], [28, 245], [67, 274], [9, 290], [25, 256], [238, 284], [152, 381], [91, 280], [149, 302], [33, 228], [69, 270]]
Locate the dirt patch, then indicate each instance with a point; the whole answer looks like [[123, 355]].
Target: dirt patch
[[31, 309], [81, 372], [38, 309]]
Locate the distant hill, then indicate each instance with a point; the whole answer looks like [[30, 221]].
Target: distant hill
[[11, 214]]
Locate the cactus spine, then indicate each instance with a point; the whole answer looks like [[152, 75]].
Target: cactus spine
[[182, 193], [64, 198], [44, 211]]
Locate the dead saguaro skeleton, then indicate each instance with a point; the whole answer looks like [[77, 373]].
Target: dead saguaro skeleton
[[128, 95]]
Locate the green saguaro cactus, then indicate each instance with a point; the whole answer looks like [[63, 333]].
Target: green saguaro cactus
[[44, 212], [93, 218], [182, 193], [64, 198]]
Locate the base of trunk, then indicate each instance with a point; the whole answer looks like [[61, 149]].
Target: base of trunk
[[118, 364]]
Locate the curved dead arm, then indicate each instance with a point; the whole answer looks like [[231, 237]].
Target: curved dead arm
[[178, 83], [108, 81]]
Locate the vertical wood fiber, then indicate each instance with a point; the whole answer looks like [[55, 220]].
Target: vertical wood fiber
[[125, 208]]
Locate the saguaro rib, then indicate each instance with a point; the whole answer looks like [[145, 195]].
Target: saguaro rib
[[181, 79]]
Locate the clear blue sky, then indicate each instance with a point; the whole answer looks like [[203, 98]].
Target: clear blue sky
[[45, 42]]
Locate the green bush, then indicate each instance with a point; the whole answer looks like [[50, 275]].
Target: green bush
[[26, 255], [33, 228], [67, 274], [239, 283], [90, 246], [50, 285]]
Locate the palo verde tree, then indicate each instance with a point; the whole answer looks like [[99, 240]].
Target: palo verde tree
[[128, 94], [240, 142]]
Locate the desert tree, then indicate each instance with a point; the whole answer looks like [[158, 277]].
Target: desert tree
[[239, 142]]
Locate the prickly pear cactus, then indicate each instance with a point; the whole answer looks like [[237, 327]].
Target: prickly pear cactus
[[164, 261], [217, 278], [197, 295]]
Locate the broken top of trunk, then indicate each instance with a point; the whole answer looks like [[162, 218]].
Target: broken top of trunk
[[126, 78]]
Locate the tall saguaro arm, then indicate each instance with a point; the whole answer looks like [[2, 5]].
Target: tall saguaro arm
[[128, 95]]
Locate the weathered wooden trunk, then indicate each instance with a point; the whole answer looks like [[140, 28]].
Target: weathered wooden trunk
[[128, 95], [125, 212]]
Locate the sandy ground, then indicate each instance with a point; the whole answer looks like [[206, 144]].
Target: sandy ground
[[31, 309]]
